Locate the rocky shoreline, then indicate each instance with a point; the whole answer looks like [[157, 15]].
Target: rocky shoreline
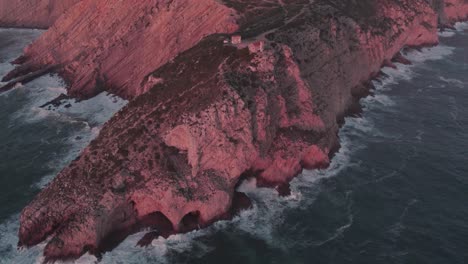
[[204, 115]]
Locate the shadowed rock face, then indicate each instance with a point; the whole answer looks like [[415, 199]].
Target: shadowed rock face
[[200, 122]]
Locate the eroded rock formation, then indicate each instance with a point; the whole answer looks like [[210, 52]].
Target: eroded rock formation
[[205, 114]]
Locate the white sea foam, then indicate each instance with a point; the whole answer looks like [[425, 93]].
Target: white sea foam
[[402, 73], [453, 82], [159, 247], [86, 116], [446, 33], [428, 54], [8, 242], [97, 110], [381, 99], [90, 115], [94, 112], [461, 26]]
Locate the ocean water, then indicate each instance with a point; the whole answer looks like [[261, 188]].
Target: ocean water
[[35, 143], [396, 192]]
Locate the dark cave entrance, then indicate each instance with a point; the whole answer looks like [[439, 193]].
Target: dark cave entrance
[[190, 221]]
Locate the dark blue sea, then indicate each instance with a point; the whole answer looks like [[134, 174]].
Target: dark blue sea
[[396, 192]]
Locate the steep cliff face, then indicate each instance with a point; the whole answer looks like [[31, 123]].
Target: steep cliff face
[[113, 45], [216, 113], [32, 13], [456, 10], [450, 10]]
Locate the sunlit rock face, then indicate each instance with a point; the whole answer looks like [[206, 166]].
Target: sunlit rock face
[[112, 45], [450, 10], [32, 13], [205, 114], [456, 10]]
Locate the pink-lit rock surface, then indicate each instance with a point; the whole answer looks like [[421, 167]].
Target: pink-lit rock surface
[[33, 13], [450, 11], [112, 45], [456, 10], [204, 115]]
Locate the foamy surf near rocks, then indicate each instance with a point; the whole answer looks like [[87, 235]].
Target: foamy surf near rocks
[[204, 114]]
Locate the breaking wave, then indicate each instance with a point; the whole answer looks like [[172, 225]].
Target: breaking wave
[[447, 33], [461, 26], [74, 123], [85, 119]]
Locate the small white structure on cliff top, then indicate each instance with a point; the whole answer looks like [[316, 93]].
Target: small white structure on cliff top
[[236, 39]]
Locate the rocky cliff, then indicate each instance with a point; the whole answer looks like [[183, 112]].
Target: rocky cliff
[[205, 114], [450, 10], [32, 13], [112, 45], [456, 10]]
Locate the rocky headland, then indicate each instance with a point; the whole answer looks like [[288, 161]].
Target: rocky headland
[[203, 114]]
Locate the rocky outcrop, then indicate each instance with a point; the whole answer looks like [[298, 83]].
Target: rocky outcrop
[[456, 10], [450, 11], [32, 13], [112, 45], [203, 120]]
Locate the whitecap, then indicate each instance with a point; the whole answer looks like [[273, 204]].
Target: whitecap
[[381, 99], [85, 117], [446, 33], [429, 54], [461, 26], [159, 247], [452, 81], [97, 110], [393, 76], [9, 240]]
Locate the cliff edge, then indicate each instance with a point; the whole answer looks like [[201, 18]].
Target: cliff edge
[[205, 114]]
